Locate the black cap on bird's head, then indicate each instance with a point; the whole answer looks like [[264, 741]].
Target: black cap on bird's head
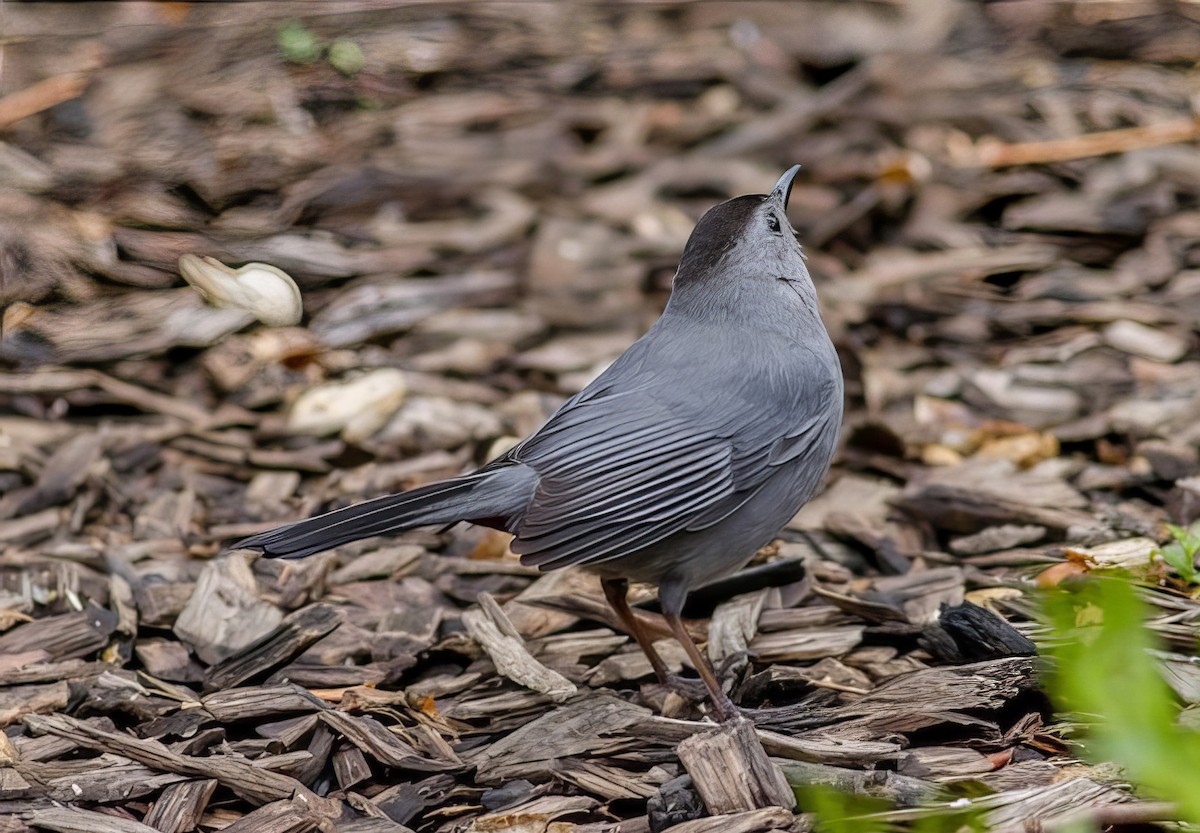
[[723, 225]]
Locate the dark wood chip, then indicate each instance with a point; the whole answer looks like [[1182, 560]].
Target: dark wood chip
[[181, 806], [67, 636], [295, 633]]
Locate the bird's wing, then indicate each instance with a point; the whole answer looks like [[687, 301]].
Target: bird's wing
[[621, 469], [609, 487]]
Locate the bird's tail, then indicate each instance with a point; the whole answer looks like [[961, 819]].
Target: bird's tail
[[438, 503]]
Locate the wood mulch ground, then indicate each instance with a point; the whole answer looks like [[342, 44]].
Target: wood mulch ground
[[999, 203]]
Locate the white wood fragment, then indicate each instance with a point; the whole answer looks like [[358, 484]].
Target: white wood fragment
[[1147, 342], [266, 292], [490, 627]]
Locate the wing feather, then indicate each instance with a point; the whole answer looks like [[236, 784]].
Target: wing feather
[[638, 493], [620, 469]]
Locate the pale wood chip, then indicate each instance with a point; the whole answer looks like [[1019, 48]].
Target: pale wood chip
[[491, 628], [731, 771]]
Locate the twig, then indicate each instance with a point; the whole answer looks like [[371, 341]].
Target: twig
[[1001, 155], [40, 96]]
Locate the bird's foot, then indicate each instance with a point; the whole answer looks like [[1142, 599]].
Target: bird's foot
[[687, 687], [695, 691], [723, 710]]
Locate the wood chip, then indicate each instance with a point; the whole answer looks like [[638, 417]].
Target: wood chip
[[903, 790], [751, 821], [259, 701], [294, 634], [294, 816], [1147, 342], [734, 624], [576, 728], [225, 613], [61, 637], [18, 701], [370, 736], [77, 820], [814, 643], [255, 785], [734, 747], [491, 628], [181, 806]]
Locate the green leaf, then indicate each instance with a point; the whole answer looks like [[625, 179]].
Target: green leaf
[[1088, 614], [1183, 563], [297, 44], [957, 821], [1076, 825], [1107, 675], [839, 812], [346, 57], [1181, 553]]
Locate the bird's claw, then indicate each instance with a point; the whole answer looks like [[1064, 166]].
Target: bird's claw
[[694, 691], [687, 687]]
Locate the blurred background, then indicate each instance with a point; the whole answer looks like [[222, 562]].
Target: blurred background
[[998, 202], [499, 192]]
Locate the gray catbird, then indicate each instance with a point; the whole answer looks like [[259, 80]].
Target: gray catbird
[[681, 459]]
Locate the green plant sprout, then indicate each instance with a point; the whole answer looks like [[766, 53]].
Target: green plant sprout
[[1180, 554], [839, 812], [345, 56], [299, 45], [1104, 678], [835, 811], [1104, 672]]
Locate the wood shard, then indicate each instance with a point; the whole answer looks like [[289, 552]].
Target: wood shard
[[287, 641], [77, 820], [999, 155], [732, 772], [490, 627], [41, 96], [62, 637], [902, 790], [370, 736], [18, 701], [257, 785], [225, 613], [573, 729], [181, 806], [259, 701], [294, 816]]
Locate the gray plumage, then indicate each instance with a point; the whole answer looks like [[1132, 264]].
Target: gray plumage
[[685, 456]]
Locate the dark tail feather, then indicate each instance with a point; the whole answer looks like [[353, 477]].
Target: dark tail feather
[[437, 503]]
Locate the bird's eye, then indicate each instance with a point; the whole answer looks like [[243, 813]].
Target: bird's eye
[[773, 223]]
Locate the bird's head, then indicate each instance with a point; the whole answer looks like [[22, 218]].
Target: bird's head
[[744, 242]]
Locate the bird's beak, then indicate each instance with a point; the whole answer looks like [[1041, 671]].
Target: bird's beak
[[783, 188]]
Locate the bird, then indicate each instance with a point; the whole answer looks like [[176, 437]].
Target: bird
[[688, 454]]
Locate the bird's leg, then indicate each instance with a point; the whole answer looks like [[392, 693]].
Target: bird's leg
[[615, 590], [672, 599]]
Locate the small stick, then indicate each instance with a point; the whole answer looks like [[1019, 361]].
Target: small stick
[[40, 96], [1000, 155]]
